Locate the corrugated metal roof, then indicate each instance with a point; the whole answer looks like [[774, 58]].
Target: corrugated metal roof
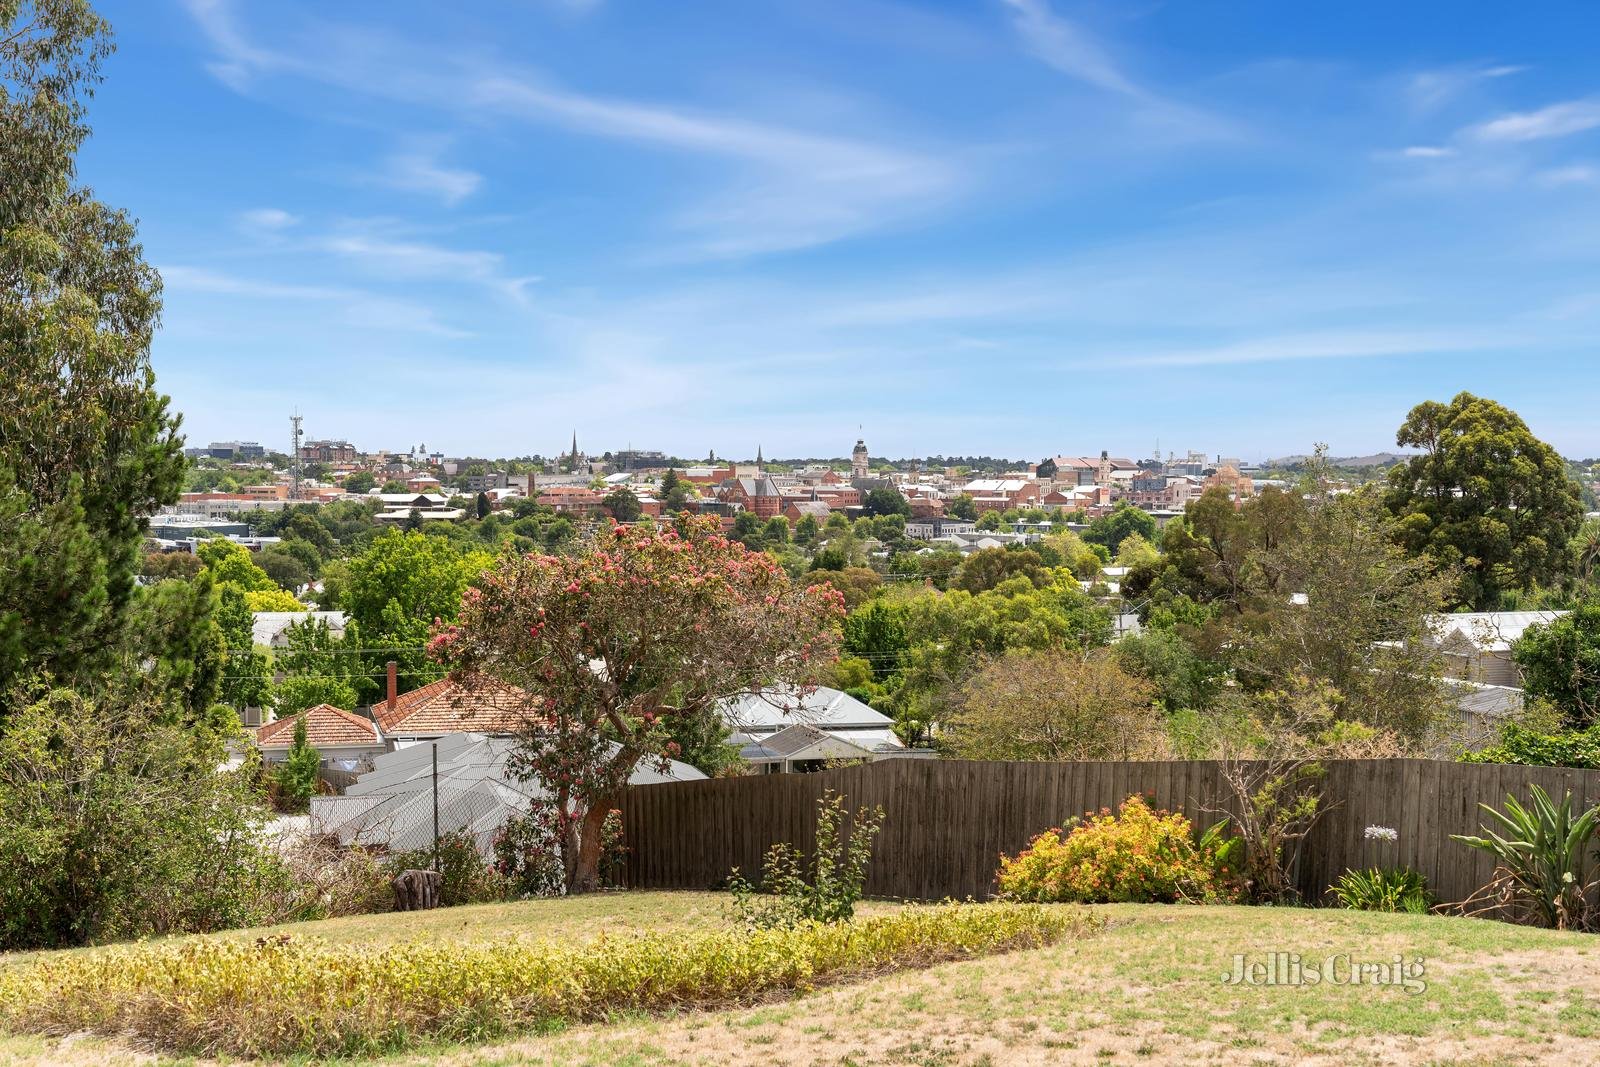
[[773, 709]]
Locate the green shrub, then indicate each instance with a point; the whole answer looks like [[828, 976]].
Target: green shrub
[[1380, 889], [526, 855], [1138, 855], [295, 779], [1544, 872], [1533, 748], [279, 997], [838, 872], [115, 822], [467, 878]]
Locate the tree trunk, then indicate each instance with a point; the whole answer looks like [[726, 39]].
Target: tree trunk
[[417, 890], [584, 876]]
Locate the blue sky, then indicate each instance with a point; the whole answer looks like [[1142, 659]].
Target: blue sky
[[1014, 227]]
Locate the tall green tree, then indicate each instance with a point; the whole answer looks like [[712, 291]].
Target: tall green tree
[[876, 632], [319, 668], [1118, 524], [398, 587], [1560, 662], [674, 493], [246, 680], [1339, 605], [885, 500], [87, 447], [622, 504], [296, 776], [1485, 497]]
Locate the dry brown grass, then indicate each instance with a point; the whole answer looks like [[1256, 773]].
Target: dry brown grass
[[1144, 991]]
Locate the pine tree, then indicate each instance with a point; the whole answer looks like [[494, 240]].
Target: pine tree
[[297, 774], [88, 449]]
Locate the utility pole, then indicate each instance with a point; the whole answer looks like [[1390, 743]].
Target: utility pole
[[294, 458], [436, 805]]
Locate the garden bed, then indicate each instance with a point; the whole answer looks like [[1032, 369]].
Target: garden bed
[[285, 994]]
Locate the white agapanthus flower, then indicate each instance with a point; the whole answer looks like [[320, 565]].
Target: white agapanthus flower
[[1382, 833]]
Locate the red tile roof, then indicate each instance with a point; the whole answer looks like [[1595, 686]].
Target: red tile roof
[[326, 727], [444, 707]]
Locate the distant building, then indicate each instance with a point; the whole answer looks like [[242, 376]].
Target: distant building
[[180, 527], [1238, 486], [632, 459], [328, 452], [758, 494], [931, 529], [236, 450], [1002, 494], [860, 464], [478, 483]]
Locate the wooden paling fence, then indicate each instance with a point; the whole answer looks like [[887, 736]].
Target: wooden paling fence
[[947, 821]]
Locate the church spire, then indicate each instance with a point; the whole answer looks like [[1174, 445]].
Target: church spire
[[759, 460]]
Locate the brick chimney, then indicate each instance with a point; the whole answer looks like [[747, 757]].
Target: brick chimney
[[394, 690]]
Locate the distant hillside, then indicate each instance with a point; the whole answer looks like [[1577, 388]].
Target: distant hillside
[[1381, 459]]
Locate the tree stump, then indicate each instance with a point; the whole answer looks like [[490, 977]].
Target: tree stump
[[416, 890]]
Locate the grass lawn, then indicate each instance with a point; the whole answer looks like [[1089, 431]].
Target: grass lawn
[[1147, 990]]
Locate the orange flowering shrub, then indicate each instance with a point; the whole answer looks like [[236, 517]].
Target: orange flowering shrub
[[1138, 855]]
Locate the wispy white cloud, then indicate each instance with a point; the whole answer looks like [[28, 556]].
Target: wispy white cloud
[[1335, 345], [1427, 151], [1556, 120], [238, 60], [1067, 47], [1575, 174], [419, 171], [266, 220], [409, 260], [356, 308], [796, 188], [1428, 91], [799, 189]]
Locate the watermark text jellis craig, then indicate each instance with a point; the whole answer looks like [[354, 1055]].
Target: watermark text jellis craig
[[1340, 968]]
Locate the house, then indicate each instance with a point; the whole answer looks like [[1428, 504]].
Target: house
[[1480, 711], [762, 722], [343, 739], [571, 499], [422, 483], [402, 515], [758, 494], [801, 747], [932, 528], [445, 707], [1002, 494], [795, 510], [1477, 645], [392, 805], [271, 628], [1239, 487]]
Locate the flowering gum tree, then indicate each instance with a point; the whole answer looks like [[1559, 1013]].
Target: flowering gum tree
[[644, 628]]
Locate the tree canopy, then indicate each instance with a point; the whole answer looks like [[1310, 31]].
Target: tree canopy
[[1560, 662], [88, 448], [644, 628], [1485, 497]]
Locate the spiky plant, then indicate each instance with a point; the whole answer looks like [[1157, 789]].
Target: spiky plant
[[1544, 869]]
